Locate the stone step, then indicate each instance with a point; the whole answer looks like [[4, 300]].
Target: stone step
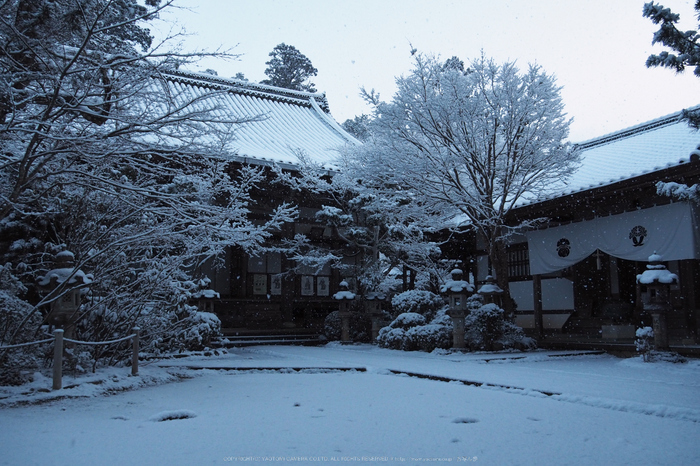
[[232, 341]]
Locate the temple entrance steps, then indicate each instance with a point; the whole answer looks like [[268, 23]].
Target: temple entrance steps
[[237, 337]]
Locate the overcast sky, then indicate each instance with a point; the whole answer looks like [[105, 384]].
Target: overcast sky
[[595, 48]]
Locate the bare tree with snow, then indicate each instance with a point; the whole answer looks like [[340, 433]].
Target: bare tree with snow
[[101, 153], [471, 142], [380, 230]]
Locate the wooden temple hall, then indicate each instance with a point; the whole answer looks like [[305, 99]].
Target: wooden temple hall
[[574, 280], [255, 295]]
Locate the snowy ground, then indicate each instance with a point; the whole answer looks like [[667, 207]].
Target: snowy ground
[[534, 408]]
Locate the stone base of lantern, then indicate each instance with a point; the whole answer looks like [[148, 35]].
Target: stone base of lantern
[[457, 329], [376, 325], [345, 327], [660, 331]]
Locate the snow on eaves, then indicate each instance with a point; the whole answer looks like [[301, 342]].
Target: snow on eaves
[[641, 149], [284, 122]]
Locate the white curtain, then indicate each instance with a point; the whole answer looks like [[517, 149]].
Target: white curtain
[[670, 231]]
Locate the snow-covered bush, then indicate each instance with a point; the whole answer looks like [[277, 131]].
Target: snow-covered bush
[[645, 346], [428, 337], [14, 312], [198, 329], [410, 332], [441, 317], [408, 320], [392, 338], [417, 301], [645, 342], [486, 328]]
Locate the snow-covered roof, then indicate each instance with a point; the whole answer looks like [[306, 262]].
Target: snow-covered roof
[[288, 121], [625, 154]]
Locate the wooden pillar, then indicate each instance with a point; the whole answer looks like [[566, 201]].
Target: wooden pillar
[[688, 287], [537, 296], [57, 359], [345, 327], [135, 352]]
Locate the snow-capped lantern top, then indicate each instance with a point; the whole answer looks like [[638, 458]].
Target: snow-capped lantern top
[[656, 272], [373, 303], [64, 273], [65, 257], [457, 285], [344, 292], [489, 288], [491, 292], [655, 260], [203, 291], [65, 306], [204, 296], [375, 296], [457, 290]]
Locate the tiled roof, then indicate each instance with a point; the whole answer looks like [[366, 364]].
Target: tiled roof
[[625, 154], [287, 121]]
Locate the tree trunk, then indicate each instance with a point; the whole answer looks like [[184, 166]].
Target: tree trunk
[[498, 255]]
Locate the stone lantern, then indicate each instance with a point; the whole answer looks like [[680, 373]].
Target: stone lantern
[[491, 292], [204, 297], [68, 282], [457, 291], [345, 298], [373, 307], [656, 299]]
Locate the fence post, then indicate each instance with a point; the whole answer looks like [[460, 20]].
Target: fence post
[[135, 352], [57, 359]]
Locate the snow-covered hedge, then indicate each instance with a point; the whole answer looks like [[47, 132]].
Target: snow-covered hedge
[[418, 301], [14, 311], [408, 320], [410, 332], [487, 329], [428, 337]]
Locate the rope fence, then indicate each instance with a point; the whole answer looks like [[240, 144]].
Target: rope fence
[[98, 343], [58, 340], [41, 342]]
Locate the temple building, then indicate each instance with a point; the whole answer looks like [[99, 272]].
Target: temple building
[[254, 294], [574, 278]]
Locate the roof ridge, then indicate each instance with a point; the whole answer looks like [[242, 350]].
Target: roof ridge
[[633, 130], [247, 87], [334, 125]]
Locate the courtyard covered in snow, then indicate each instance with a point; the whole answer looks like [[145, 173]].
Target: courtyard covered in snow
[[362, 404]]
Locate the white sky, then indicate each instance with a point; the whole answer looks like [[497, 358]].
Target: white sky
[[595, 48]]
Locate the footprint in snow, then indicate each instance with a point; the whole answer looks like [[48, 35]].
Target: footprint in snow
[[172, 415], [465, 420]]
